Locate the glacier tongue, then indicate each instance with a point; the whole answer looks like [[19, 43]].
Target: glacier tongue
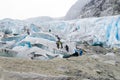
[[104, 30]]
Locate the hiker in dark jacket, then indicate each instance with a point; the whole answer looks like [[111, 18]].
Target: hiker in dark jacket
[[67, 48], [58, 37]]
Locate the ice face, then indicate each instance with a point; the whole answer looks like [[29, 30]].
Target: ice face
[[25, 43], [34, 28], [103, 29], [16, 38], [43, 35]]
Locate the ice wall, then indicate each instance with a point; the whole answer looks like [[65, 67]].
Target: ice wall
[[103, 29]]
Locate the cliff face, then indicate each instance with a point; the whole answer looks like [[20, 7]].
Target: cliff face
[[93, 8]]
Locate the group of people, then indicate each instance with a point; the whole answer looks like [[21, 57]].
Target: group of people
[[60, 44], [77, 52]]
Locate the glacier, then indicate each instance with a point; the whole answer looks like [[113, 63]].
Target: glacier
[[104, 30]]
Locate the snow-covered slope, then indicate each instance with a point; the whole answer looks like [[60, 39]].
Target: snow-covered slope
[[93, 8]]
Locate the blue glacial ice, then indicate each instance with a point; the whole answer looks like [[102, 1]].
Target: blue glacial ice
[[97, 30]]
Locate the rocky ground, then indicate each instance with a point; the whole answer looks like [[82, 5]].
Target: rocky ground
[[89, 66]]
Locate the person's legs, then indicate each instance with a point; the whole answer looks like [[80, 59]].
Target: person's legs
[[57, 45], [67, 50], [61, 45]]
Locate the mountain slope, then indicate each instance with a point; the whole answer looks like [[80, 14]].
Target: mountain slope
[[93, 8], [76, 9]]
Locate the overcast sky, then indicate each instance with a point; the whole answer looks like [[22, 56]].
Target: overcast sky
[[23, 9]]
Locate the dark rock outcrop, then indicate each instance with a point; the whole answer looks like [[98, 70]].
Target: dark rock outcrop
[[93, 8]]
